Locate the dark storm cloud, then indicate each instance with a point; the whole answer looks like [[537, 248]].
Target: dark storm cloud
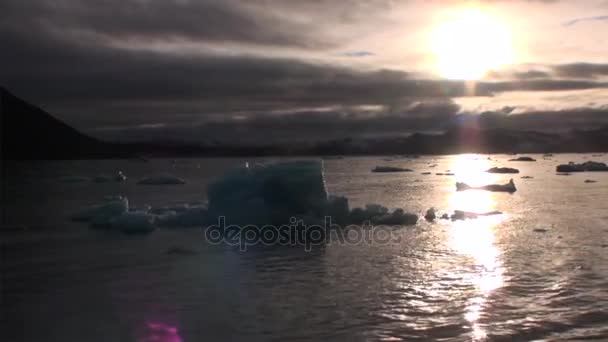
[[581, 70], [201, 21]]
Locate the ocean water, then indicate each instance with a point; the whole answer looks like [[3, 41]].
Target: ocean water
[[537, 272]]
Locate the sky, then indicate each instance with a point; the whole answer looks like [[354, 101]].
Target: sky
[[278, 70]]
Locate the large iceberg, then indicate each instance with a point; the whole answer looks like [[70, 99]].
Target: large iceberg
[[269, 193], [274, 193]]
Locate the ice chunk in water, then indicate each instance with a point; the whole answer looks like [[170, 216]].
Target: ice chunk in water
[[269, 193], [103, 214], [377, 214], [190, 217], [162, 179]]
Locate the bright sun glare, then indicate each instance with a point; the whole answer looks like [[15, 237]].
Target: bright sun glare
[[469, 44]]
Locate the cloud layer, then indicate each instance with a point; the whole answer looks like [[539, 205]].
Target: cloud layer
[[209, 67]]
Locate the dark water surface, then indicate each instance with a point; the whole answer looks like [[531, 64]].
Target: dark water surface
[[537, 272]]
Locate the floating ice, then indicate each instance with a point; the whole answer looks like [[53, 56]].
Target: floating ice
[[103, 214], [502, 170], [273, 193], [377, 214], [526, 159], [586, 166], [508, 187], [270, 193], [462, 215], [390, 169], [190, 217], [162, 179], [397, 217]]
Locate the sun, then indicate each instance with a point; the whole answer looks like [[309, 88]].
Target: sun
[[469, 44]]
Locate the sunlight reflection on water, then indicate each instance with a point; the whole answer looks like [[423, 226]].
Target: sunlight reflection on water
[[475, 238]]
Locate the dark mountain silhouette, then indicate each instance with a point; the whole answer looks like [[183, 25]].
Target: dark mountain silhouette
[[28, 132]]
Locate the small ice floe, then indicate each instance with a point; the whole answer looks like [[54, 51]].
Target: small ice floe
[[590, 166], [390, 169], [508, 187], [526, 177], [161, 179], [379, 215], [462, 215], [134, 222], [430, 214], [189, 217], [103, 214], [74, 179], [397, 218], [502, 170], [526, 159], [590, 181], [119, 177]]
